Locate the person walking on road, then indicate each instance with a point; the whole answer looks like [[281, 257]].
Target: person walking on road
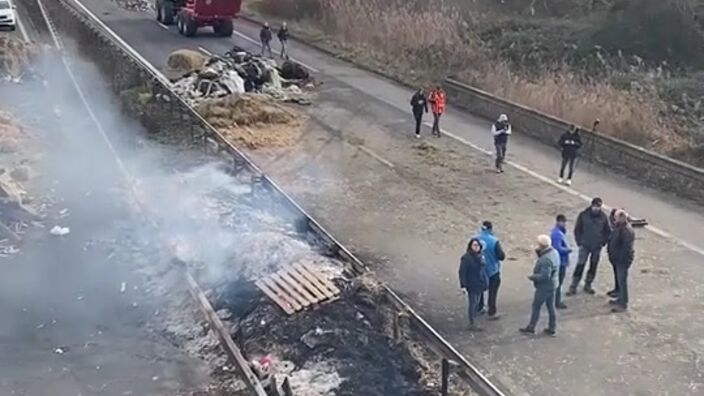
[[419, 104], [545, 281], [591, 234], [501, 130], [473, 278], [438, 100], [621, 253], [282, 34], [558, 236], [570, 142], [265, 37], [493, 255]]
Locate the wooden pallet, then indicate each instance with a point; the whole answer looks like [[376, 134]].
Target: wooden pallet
[[298, 286]]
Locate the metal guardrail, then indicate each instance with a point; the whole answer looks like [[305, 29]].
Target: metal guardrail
[[468, 372]]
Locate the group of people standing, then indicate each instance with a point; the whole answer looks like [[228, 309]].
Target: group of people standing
[[570, 142], [266, 35], [480, 266], [419, 105]]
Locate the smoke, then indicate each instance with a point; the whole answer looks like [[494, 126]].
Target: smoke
[[215, 222]]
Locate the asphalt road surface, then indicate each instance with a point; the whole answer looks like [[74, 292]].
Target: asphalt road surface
[[408, 208], [67, 327]]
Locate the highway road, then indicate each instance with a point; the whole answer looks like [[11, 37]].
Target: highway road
[[408, 208]]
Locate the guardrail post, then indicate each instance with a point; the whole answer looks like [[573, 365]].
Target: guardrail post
[[446, 366]]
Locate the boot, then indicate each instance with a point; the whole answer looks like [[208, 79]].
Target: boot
[[588, 289], [612, 293], [573, 290]]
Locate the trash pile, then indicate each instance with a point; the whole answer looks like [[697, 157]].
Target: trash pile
[[238, 71], [328, 350], [253, 120], [16, 57]]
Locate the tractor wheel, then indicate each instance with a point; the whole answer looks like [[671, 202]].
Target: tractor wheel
[[167, 13], [179, 23], [190, 26], [223, 28]]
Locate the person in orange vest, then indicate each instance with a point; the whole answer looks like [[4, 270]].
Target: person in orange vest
[[437, 101]]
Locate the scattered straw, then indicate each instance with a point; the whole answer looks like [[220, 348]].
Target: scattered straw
[[253, 121]]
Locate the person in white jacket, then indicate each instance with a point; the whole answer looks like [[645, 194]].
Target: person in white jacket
[[500, 131]]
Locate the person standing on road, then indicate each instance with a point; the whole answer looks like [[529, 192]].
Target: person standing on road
[[419, 104], [473, 278], [591, 234], [282, 34], [621, 254], [501, 130], [570, 142], [558, 236], [545, 281], [265, 37], [493, 255], [437, 100]]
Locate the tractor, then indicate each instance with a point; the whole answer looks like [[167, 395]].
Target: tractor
[[189, 15]]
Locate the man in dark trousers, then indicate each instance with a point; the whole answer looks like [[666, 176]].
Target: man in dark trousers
[[493, 256], [621, 254], [501, 130], [591, 234], [558, 236], [570, 143], [282, 34], [544, 278], [419, 104], [265, 37]]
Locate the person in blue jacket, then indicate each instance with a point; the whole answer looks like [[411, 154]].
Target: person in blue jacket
[[473, 279], [493, 255], [558, 236]]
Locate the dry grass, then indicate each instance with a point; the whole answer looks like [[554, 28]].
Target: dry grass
[[425, 43], [253, 121]]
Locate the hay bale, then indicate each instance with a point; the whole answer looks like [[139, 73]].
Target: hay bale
[[11, 133], [16, 56], [186, 61]]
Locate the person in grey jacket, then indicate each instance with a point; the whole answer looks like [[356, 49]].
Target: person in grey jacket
[[621, 254], [591, 234], [545, 280]]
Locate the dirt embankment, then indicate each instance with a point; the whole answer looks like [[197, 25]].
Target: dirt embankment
[[558, 56]]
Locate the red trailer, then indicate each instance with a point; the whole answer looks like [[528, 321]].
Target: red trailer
[[189, 15]]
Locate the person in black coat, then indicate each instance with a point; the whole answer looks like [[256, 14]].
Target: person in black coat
[[419, 105], [283, 39], [473, 278], [570, 142], [265, 36], [621, 254]]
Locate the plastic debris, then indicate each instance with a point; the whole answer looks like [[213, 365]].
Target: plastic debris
[[59, 231]]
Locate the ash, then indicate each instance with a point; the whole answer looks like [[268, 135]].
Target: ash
[[339, 348]]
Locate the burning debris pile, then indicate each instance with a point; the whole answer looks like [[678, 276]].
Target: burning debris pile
[[339, 348], [238, 72], [16, 58]]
